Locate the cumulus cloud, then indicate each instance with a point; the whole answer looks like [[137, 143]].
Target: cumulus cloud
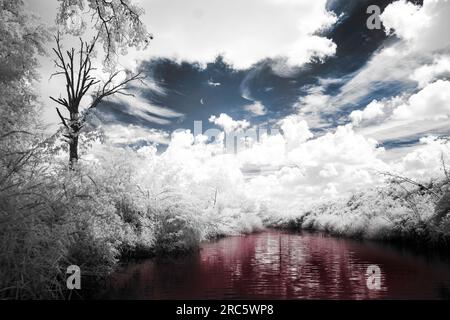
[[295, 131], [244, 32], [132, 134], [228, 124], [292, 165], [370, 112], [430, 103], [256, 108], [425, 161], [423, 27], [316, 168], [197, 161], [430, 72], [269, 152], [406, 19], [296, 167]]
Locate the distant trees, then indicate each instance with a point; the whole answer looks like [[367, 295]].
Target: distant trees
[[118, 25]]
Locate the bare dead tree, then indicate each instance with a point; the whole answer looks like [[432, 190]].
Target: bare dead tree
[[76, 68]]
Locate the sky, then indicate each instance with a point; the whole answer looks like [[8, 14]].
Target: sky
[[332, 102]]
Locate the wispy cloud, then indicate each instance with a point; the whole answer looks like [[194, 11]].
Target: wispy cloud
[[139, 107]]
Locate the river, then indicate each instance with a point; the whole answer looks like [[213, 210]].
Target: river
[[285, 265]]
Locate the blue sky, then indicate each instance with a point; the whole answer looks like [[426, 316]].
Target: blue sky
[[197, 91], [269, 88], [261, 61]]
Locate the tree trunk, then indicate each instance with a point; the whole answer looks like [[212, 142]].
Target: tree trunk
[[73, 143], [73, 154]]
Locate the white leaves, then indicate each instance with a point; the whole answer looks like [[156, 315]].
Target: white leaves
[[118, 24]]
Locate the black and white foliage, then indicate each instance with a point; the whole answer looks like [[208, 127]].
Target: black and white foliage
[[282, 113]]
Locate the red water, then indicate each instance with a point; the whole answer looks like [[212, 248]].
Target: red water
[[282, 265]]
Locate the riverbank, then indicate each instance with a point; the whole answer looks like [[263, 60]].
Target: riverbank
[[390, 213]]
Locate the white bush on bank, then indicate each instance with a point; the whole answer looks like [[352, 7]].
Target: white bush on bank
[[387, 212]]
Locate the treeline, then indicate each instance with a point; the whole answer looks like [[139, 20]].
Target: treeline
[[401, 210]]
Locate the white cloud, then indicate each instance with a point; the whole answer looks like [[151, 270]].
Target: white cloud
[[370, 112], [256, 108], [425, 162], [410, 116], [228, 124], [421, 57], [386, 66], [149, 84], [337, 164], [424, 27], [131, 134], [314, 101], [430, 103], [333, 164], [295, 131], [139, 107], [428, 73], [269, 152], [313, 47], [213, 84], [405, 19], [423, 38], [310, 170], [244, 32], [328, 171], [403, 130]]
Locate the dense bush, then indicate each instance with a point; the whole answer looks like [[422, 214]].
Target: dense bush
[[393, 211], [122, 205]]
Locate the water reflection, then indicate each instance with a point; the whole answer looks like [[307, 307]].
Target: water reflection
[[281, 265]]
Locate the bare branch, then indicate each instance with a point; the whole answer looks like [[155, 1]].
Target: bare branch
[[14, 132], [444, 167], [410, 181], [105, 92], [62, 118]]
